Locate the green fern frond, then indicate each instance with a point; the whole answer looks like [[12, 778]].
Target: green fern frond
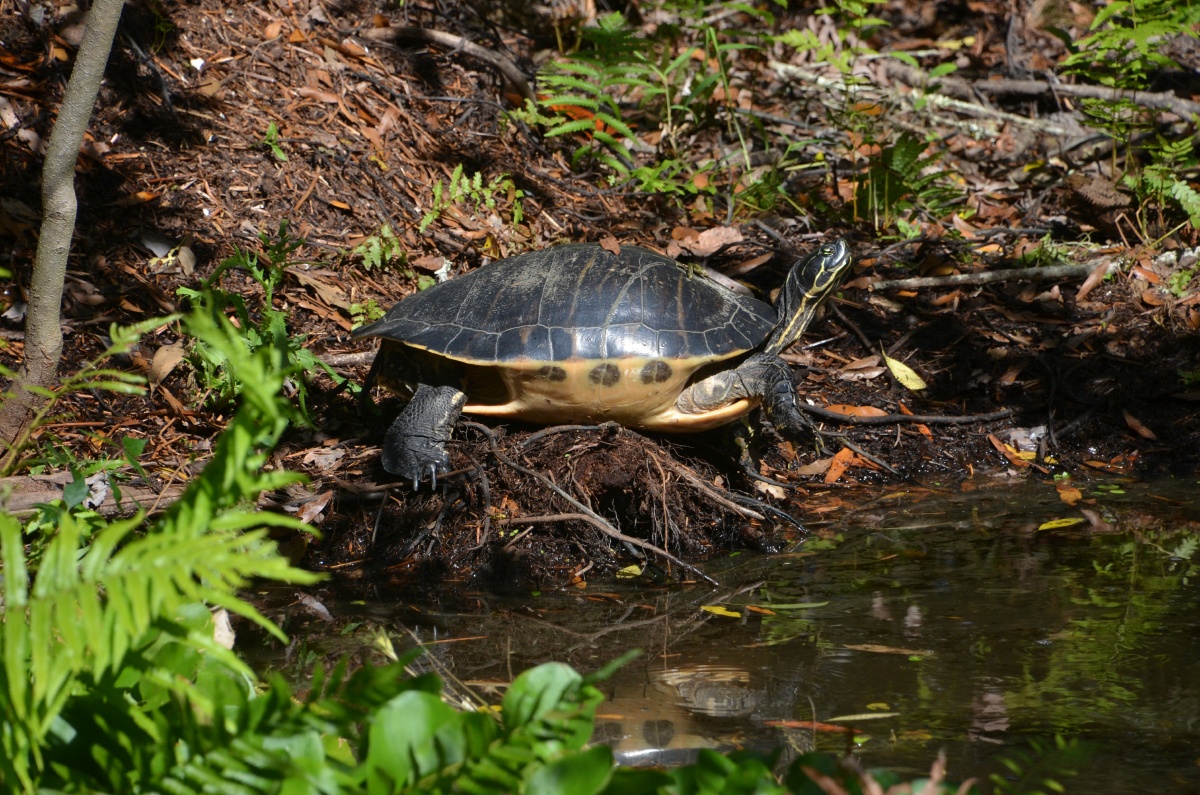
[[1189, 200]]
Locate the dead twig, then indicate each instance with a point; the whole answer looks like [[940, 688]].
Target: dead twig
[[887, 419], [455, 42], [989, 277], [967, 89]]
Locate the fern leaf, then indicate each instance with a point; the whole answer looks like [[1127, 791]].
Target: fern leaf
[[566, 128], [1188, 199]]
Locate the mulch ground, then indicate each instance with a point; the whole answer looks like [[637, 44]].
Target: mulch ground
[[181, 153]]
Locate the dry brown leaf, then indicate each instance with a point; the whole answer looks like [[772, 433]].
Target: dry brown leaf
[[272, 30], [173, 402], [1140, 272], [702, 244], [876, 648], [743, 268], [712, 240], [1094, 280], [856, 411], [328, 292], [814, 467], [610, 244], [844, 459], [165, 360], [320, 96], [866, 361], [311, 510], [1153, 297], [1137, 427], [1068, 493], [432, 263], [863, 369], [1013, 456], [968, 231], [778, 492]]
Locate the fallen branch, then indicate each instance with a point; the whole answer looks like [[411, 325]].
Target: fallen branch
[[21, 494], [988, 277], [455, 42], [888, 419], [945, 100], [966, 89]]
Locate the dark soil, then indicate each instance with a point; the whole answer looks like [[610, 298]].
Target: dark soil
[[177, 154]]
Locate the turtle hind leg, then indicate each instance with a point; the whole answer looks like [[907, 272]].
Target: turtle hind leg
[[415, 444]]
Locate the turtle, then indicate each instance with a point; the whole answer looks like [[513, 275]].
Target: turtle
[[578, 333]]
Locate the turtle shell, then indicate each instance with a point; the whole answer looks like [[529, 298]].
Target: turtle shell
[[576, 332], [578, 302]]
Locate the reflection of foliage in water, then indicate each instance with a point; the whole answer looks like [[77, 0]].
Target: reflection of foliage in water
[[1093, 667]]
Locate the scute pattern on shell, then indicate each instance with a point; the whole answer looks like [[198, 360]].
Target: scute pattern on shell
[[578, 302]]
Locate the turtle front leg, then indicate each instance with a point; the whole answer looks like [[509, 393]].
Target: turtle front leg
[[764, 376], [415, 444]]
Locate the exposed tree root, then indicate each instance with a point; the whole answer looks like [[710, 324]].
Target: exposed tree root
[[543, 508]]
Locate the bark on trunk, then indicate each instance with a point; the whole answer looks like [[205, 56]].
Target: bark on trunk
[[43, 335]]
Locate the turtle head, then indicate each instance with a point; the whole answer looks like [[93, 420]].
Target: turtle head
[[811, 281]]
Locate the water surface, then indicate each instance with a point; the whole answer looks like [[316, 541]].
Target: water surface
[[982, 623]]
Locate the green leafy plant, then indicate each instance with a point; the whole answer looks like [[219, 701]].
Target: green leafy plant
[[271, 142], [1038, 769], [1047, 252], [1161, 183], [471, 189], [100, 622], [381, 249], [361, 314], [1123, 50], [93, 375], [595, 94], [903, 179], [264, 328], [854, 26]]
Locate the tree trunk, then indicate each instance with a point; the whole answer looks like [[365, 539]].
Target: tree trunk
[[43, 335]]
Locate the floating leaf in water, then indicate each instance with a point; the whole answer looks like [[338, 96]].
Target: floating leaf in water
[[1055, 524], [717, 610]]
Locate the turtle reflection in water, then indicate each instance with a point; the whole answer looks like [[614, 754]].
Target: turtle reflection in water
[[576, 333]]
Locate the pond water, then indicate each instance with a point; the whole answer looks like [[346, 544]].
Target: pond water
[[980, 623]]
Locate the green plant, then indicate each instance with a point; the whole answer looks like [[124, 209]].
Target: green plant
[[381, 249], [595, 94], [271, 142], [903, 179], [1047, 252], [1161, 184], [1037, 770], [103, 624], [1178, 281], [361, 314], [854, 26], [1123, 50], [265, 328], [92, 375], [464, 188]]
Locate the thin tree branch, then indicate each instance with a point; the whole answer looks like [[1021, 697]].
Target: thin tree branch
[[455, 42]]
